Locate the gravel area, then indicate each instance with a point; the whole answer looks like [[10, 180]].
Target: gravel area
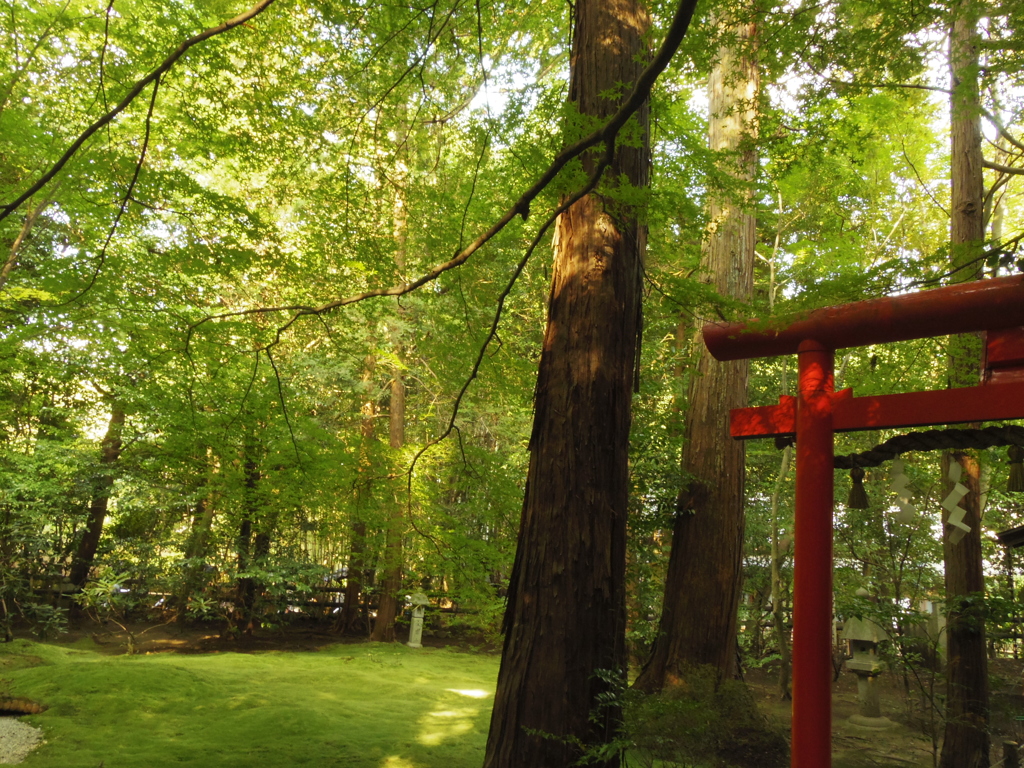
[[17, 739]]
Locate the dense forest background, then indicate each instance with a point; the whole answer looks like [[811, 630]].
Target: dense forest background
[[233, 372]]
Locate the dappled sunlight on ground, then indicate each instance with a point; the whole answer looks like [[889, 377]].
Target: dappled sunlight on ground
[[452, 718], [436, 727], [396, 762]]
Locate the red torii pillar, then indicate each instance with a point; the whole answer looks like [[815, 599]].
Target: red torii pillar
[[817, 412]]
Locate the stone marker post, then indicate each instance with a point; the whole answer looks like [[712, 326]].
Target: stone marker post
[[419, 602]]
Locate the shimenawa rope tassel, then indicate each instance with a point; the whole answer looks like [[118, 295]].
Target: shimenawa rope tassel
[[858, 498]]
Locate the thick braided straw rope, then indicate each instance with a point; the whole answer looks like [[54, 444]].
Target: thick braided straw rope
[[933, 440]]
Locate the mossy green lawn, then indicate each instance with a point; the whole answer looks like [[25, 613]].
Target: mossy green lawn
[[358, 706]]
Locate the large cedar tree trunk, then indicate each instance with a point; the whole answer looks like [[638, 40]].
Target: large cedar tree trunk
[[110, 451], [966, 740], [702, 586], [565, 620]]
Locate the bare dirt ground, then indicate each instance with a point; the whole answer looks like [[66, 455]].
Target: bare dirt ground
[[908, 743]]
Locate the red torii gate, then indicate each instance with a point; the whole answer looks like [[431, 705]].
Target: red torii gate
[[817, 411]]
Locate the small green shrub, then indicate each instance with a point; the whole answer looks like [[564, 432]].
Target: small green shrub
[[704, 722], [48, 621]]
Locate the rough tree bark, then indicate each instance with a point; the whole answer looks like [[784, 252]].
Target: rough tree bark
[[110, 452], [966, 739], [565, 620], [702, 586]]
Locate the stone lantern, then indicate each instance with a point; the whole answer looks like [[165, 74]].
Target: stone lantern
[[419, 603], [864, 636]]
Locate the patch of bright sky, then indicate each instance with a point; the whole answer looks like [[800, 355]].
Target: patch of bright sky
[[502, 80]]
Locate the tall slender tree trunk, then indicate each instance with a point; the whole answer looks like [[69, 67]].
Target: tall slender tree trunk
[[202, 524], [353, 611], [702, 586], [389, 606], [966, 740], [110, 452], [565, 617], [196, 548], [7, 571], [778, 605], [198, 545], [779, 548], [248, 587], [1015, 617]]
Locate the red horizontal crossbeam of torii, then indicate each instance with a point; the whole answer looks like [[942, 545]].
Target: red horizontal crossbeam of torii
[[817, 412]]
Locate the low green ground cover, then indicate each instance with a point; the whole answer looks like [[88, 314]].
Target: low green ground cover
[[358, 706]]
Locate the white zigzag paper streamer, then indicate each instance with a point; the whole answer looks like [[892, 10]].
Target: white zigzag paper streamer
[[900, 484], [952, 504]]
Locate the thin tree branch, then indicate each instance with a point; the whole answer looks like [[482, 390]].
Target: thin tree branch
[[1000, 182], [685, 308], [480, 48], [564, 206], [606, 135], [472, 190], [124, 201], [23, 66], [1002, 129], [122, 105], [1008, 169], [248, 389], [26, 227], [284, 407], [921, 181], [420, 60], [912, 86], [1007, 246], [103, 54]]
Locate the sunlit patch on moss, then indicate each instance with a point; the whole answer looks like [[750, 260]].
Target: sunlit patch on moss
[[471, 692]]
